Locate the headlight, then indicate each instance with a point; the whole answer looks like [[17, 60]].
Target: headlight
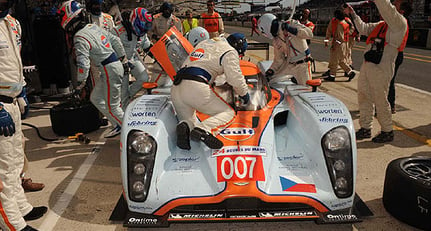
[[142, 144], [336, 145], [141, 153], [337, 139]]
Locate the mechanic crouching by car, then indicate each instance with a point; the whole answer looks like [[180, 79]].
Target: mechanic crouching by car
[[103, 48], [133, 34], [385, 40], [192, 90], [291, 52]]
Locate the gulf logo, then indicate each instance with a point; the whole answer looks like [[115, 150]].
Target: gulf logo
[[197, 54], [105, 41], [237, 132]]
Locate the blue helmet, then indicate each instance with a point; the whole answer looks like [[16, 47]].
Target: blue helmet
[[238, 41], [141, 21]]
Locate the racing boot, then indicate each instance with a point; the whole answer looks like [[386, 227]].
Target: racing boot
[[363, 133], [330, 78], [206, 137], [351, 75], [384, 137], [327, 73], [35, 213], [28, 228], [183, 136]]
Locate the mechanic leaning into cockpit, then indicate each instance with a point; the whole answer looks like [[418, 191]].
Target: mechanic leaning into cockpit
[[291, 52], [104, 50], [133, 34], [192, 89]]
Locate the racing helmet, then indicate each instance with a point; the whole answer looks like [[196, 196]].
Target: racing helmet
[[141, 21], [265, 25], [197, 35], [238, 41], [94, 6], [69, 13]]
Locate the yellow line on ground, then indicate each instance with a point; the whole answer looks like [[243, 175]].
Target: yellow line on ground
[[414, 135]]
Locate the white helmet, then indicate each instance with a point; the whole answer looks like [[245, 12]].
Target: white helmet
[[265, 23], [197, 35]]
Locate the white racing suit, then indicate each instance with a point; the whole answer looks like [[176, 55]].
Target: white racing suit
[[106, 22], [137, 68], [211, 58], [374, 79], [291, 53], [103, 49], [13, 202], [161, 25]]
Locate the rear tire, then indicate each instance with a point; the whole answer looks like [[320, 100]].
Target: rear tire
[[69, 118], [407, 191]]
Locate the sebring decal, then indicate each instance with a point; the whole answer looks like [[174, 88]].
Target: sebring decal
[[197, 54], [239, 168], [296, 185], [237, 132]]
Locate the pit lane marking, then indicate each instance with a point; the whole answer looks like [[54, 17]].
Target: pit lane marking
[[54, 213], [416, 136]]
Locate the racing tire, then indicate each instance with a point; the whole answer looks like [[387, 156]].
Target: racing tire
[[407, 191], [68, 118]]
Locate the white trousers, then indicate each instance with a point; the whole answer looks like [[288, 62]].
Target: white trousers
[[191, 96], [373, 87], [13, 202]]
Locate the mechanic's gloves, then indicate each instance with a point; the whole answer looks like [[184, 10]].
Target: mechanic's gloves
[[7, 126], [23, 104], [268, 74], [286, 27], [245, 99]]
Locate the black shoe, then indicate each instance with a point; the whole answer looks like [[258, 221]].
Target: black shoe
[[393, 110], [346, 74], [183, 136], [330, 78], [384, 137], [28, 228], [206, 137], [36, 213], [351, 75], [327, 73], [363, 133]]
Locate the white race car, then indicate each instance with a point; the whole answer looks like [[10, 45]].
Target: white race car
[[289, 154]]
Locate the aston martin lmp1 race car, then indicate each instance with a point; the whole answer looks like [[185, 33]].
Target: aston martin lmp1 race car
[[289, 154]]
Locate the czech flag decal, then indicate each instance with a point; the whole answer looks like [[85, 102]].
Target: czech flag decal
[[296, 185]]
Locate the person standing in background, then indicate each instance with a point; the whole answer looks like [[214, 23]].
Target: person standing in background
[[212, 21], [163, 21], [385, 40], [254, 26], [190, 22], [305, 20]]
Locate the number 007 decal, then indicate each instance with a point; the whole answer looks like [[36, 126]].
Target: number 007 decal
[[240, 167]]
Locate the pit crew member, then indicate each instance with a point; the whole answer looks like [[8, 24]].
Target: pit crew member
[[193, 90]]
